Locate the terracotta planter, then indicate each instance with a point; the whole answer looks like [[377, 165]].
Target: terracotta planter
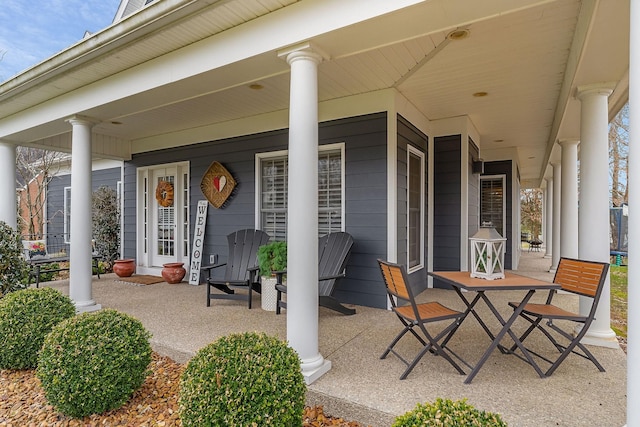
[[124, 267], [173, 272]]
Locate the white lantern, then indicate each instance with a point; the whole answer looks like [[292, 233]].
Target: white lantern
[[487, 253]]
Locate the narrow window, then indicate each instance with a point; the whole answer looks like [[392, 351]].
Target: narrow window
[[415, 206], [67, 214]]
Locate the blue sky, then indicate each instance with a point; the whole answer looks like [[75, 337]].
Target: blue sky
[[33, 30]]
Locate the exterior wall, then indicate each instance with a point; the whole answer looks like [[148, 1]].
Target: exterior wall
[[365, 199], [504, 167], [408, 134], [447, 204], [55, 195]]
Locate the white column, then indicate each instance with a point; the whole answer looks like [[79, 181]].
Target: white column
[[548, 236], [569, 199], [555, 251], [633, 270], [594, 202], [8, 209], [80, 277], [302, 229]]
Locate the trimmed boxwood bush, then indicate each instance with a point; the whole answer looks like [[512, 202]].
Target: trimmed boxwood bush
[[448, 413], [245, 379], [26, 317], [94, 362]]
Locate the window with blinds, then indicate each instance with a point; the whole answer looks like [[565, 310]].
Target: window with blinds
[[492, 207], [273, 183]]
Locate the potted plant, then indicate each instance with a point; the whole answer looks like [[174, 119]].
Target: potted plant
[[272, 258]]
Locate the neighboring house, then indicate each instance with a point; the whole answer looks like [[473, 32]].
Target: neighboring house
[[424, 119], [31, 206], [58, 212], [53, 217]]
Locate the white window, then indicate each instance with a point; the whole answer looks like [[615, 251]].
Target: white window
[[67, 214], [492, 206], [415, 209], [272, 191]]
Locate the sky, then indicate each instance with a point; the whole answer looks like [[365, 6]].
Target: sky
[[33, 30]]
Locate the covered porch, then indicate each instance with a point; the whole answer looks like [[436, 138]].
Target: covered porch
[[373, 394]]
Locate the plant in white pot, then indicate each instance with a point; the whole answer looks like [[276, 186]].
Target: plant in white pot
[[272, 260]]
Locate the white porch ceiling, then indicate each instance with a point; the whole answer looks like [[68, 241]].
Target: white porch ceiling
[[528, 55]]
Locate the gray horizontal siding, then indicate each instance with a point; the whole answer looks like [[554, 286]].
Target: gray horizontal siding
[[447, 204], [365, 187]]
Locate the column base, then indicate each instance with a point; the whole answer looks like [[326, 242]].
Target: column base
[[601, 339], [312, 374], [86, 306]]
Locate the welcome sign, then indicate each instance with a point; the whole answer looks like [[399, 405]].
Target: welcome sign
[[198, 243]]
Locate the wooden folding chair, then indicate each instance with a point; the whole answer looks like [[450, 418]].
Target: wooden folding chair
[[579, 277], [414, 315]]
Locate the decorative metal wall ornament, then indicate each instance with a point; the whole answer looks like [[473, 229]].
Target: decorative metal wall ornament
[[217, 185], [164, 194]]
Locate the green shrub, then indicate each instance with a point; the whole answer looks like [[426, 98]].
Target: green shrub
[[94, 362], [106, 224], [245, 379], [447, 413], [26, 317], [13, 267], [272, 257]]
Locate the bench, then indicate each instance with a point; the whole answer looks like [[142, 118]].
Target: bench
[[41, 250]]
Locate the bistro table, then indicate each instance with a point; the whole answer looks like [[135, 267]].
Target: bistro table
[[462, 280]]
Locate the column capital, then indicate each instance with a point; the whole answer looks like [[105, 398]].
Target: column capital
[[568, 142], [307, 50], [79, 119], [602, 89]]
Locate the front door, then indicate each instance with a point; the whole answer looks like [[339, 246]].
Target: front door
[[164, 209]]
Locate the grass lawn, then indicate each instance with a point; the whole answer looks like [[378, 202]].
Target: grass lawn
[[619, 300]]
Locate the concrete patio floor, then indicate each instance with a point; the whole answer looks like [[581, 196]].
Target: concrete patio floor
[[362, 387]]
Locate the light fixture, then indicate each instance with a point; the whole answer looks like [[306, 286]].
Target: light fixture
[[458, 34]]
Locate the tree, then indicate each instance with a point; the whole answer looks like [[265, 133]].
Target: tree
[[106, 224], [35, 170], [531, 211], [618, 157]]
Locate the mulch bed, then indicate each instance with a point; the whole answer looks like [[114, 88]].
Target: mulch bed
[[22, 403]]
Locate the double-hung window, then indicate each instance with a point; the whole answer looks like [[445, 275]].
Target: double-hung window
[[272, 184]]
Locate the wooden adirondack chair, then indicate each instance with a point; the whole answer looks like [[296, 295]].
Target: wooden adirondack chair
[[241, 270], [333, 254]]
